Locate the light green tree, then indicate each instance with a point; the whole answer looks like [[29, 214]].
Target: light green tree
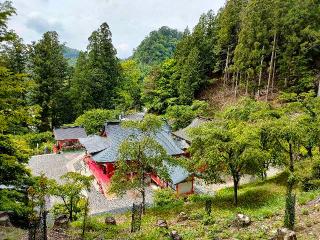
[[139, 155], [71, 191]]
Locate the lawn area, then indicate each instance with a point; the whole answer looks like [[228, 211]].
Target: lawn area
[[262, 201]]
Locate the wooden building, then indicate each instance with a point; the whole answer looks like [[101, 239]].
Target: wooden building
[[68, 138], [102, 154]]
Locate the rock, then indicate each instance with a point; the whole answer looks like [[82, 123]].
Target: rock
[[162, 223], [175, 236], [5, 219], [110, 221], [242, 220], [285, 234], [182, 217], [61, 222]]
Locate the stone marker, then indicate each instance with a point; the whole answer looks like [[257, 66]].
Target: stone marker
[[182, 217], [162, 223], [110, 221], [175, 236], [242, 220], [285, 234]]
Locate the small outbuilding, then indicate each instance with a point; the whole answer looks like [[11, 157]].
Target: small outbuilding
[[68, 138]]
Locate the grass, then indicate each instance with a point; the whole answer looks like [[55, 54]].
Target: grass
[[11, 233], [260, 201], [263, 202]]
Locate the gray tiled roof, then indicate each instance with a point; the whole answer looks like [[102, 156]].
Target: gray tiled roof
[[69, 133], [177, 173], [183, 133], [134, 117], [94, 144], [117, 134]]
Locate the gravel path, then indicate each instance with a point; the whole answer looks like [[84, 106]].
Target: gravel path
[[56, 165], [201, 187]]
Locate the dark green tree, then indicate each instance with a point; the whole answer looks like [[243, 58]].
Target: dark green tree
[[49, 70]]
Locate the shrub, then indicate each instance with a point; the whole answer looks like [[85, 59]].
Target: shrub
[[93, 120], [166, 198], [312, 180], [180, 116]]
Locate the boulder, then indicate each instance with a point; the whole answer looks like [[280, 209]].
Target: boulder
[[110, 221], [175, 236], [61, 222], [285, 234], [162, 223], [182, 217], [5, 219], [242, 220]]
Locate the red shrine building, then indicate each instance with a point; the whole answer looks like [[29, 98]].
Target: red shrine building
[[68, 138], [102, 154]]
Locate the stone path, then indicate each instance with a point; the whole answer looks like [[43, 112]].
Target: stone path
[[56, 165], [201, 187]]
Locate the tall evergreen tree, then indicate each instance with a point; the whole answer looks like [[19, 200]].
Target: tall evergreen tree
[[49, 70], [97, 73]]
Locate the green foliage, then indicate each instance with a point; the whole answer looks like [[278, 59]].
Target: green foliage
[[130, 88], [6, 11], [158, 46], [180, 116], [93, 120], [141, 154], [160, 87], [49, 70], [166, 198], [225, 146], [17, 113], [70, 191], [97, 74]]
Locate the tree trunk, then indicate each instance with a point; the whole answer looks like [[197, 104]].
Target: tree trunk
[[71, 209], [236, 85], [235, 189], [271, 63], [143, 193], [291, 154], [260, 73], [289, 218], [226, 69], [274, 73], [85, 215], [247, 83]]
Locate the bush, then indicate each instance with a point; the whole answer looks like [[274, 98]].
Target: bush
[[166, 198], [180, 116], [312, 180], [93, 120], [200, 198]]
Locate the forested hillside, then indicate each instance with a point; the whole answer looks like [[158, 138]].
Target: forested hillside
[[261, 58], [157, 47]]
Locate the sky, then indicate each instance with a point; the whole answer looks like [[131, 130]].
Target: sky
[[130, 21]]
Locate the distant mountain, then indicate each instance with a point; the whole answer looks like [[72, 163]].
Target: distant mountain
[[157, 46], [71, 54]]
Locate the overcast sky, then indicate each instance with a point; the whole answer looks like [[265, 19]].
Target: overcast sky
[[130, 20]]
